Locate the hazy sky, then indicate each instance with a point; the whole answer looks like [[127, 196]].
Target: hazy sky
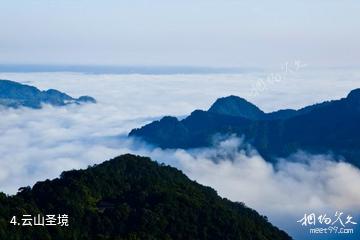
[[186, 32]]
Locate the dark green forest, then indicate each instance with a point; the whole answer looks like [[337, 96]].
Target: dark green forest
[[131, 197]]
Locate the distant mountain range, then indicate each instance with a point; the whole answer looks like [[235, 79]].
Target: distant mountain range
[[328, 127], [15, 95], [127, 198]]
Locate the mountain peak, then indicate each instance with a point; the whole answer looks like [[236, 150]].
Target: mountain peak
[[236, 106], [354, 94], [132, 197]]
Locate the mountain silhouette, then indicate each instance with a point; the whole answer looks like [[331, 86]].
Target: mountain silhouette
[[236, 106], [15, 95], [328, 127]]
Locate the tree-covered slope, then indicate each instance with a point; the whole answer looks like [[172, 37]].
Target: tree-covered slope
[[132, 197]]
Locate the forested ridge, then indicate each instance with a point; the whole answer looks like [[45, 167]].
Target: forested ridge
[[131, 197]]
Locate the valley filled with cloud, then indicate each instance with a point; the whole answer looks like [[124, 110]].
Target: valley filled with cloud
[[40, 144]]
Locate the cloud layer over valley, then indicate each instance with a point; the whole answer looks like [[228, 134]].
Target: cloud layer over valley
[[40, 144]]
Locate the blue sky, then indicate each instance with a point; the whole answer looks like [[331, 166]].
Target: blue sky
[[188, 32]]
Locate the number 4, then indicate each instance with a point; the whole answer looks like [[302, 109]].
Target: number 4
[[13, 220]]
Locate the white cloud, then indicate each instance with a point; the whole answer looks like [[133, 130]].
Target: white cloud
[[301, 184], [243, 175], [40, 144]]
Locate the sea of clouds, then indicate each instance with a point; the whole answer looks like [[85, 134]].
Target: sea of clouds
[[40, 144]]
